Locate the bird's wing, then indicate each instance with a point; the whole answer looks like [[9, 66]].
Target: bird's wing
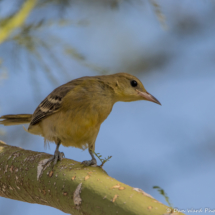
[[51, 104]]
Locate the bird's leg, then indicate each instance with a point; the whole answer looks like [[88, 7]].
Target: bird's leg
[[57, 155], [92, 162]]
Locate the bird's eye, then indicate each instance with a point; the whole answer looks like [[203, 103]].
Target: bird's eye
[[133, 83]]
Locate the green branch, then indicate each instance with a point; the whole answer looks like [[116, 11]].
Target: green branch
[[16, 20], [69, 187]]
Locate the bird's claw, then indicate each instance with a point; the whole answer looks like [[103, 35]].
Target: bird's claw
[[57, 156], [92, 162]]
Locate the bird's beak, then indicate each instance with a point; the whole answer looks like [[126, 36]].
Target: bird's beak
[[147, 96]]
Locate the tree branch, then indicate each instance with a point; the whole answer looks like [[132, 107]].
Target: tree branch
[[17, 20], [69, 187]]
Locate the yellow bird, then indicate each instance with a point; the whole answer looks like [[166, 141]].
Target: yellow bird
[[72, 114]]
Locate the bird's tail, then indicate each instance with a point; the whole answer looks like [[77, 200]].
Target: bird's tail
[[15, 119]]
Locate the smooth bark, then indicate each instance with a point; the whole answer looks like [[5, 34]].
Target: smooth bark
[[69, 186]]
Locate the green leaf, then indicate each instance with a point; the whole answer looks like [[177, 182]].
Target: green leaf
[[162, 192], [103, 161]]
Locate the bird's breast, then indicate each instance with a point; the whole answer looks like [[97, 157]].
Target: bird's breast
[[76, 126]]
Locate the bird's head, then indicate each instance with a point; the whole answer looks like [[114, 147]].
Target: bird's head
[[129, 88]]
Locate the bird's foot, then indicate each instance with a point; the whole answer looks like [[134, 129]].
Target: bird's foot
[[57, 156], [92, 162]]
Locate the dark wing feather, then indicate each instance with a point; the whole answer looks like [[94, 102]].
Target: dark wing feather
[[50, 104]]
